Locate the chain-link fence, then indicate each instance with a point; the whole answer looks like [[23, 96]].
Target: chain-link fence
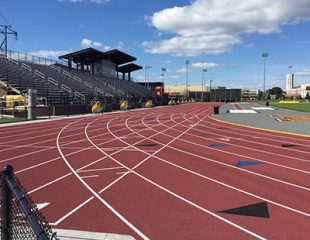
[[20, 217]]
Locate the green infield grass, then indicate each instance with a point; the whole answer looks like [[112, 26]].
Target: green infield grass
[[301, 107], [11, 120]]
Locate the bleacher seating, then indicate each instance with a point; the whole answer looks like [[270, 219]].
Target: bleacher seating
[[118, 86], [19, 77], [59, 84]]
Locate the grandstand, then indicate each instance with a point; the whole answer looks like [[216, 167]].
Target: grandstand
[[87, 75]]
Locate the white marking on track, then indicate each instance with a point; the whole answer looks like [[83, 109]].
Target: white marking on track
[[90, 176], [42, 205]]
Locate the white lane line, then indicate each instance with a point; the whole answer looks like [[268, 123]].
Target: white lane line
[[244, 147], [261, 143], [166, 190], [81, 150], [72, 211], [93, 191], [240, 190], [243, 156], [90, 176], [100, 169], [49, 183], [252, 149], [119, 173]]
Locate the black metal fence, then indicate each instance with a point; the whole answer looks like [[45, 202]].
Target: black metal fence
[[20, 218]]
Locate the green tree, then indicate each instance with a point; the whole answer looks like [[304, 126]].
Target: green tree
[[307, 96]]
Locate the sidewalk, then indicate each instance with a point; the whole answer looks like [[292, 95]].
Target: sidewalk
[[266, 119]]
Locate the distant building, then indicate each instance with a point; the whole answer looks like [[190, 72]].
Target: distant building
[[289, 82], [218, 93], [295, 91], [250, 94]]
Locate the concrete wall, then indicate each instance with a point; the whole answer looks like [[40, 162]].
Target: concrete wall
[[105, 68]]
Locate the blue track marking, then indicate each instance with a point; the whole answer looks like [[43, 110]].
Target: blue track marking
[[218, 145], [204, 134], [246, 163]]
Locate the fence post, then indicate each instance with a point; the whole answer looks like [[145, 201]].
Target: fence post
[[6, 204]]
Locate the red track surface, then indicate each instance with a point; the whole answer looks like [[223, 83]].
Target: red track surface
[[153, 174]]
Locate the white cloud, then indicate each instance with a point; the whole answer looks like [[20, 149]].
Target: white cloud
[[205, 65], [305, 72], [89, 43], [49, 53], [86, 42], [215, 26], [120, 45], [85, 1], [97, 44]]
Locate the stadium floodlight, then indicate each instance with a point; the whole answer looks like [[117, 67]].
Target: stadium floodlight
[[264, 55], [186, 83], [210, 89], [203, 71], [290, 67], [163, 70], [147, 74]]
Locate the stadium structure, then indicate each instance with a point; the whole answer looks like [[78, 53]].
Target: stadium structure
[[79, 78]]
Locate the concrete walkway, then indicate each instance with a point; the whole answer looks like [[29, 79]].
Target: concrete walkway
[[83, 235], [264, 119]]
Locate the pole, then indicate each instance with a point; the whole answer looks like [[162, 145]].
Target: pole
[[264, 55], [210, 90], [186, 88]]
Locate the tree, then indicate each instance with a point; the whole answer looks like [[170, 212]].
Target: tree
[[277, 92], [307, 96]]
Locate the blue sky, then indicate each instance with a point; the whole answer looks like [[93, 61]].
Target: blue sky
[[229, 36]]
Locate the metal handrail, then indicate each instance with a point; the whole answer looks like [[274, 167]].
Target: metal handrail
[[77, 79], [66, 88], [39, 74], [87, 84], [53, 81]]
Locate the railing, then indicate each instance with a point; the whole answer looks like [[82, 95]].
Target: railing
[[26, 57], [26, 67], [66, 73], [39, 74], [80, 96], [98, 90], [55, 68], [111, 86], [52, 81], [77, 79], [87, 84], [66, 88], [119, 91]]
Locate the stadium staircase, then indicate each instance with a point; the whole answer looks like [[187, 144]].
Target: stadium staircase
[[20, 77], [61, 86]]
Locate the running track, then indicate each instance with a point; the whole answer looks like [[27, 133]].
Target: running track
[[163, 173]]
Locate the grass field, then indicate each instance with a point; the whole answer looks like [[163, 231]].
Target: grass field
[[11, 120], [301, 107]]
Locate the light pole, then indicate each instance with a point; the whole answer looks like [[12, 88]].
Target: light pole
[[147, 75], [204, 70], [290, 67], [186, 89], [264, 55], [210, 90], [163, 70]]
